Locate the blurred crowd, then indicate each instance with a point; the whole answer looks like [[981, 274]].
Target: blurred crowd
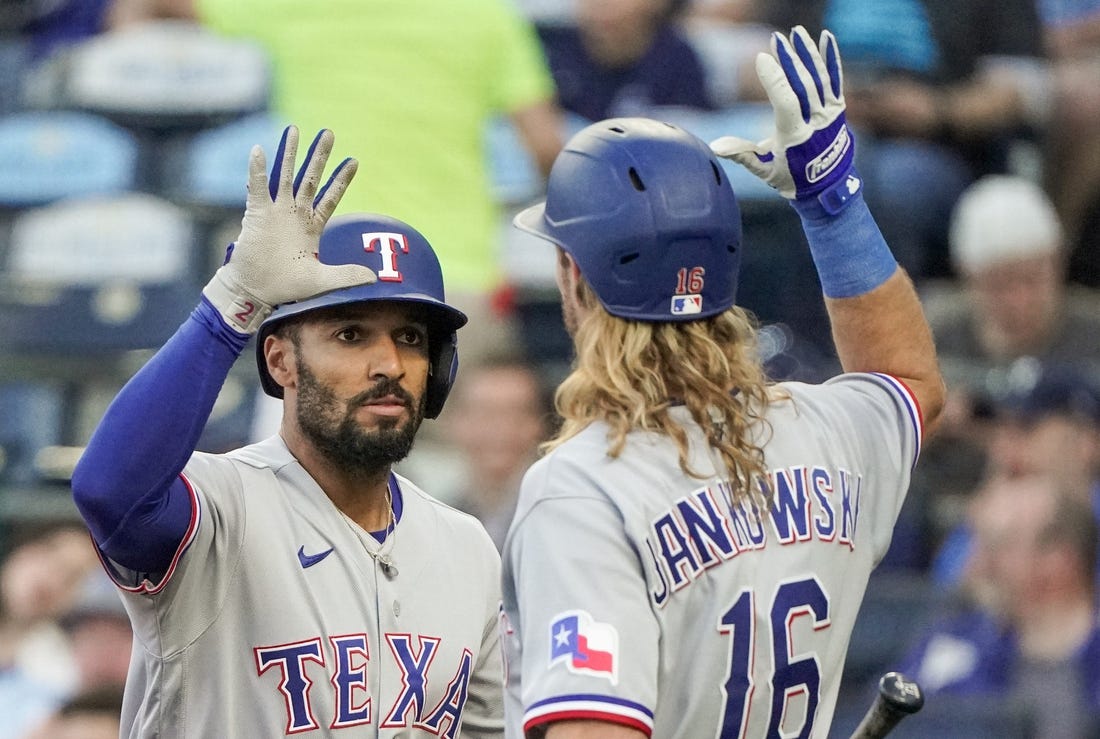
[[978, 133]]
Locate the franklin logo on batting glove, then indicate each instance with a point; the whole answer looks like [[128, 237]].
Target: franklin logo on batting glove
[[826, 161]]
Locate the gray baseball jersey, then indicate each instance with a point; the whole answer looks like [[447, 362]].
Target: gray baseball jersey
[[637, 595], [275, 619]]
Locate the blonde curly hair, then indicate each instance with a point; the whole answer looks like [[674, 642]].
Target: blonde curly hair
[[629, 374]]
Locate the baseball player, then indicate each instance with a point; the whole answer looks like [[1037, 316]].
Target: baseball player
[[689, 557], [297, 585]]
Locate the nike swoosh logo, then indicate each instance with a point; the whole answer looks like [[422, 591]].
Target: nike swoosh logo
[[308, 560]]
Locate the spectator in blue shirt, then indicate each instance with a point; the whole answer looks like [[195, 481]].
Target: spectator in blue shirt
[[1046, 422], [624, 58], [1030, 632]]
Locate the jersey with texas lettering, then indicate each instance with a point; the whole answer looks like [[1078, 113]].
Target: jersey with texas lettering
[[276, 619], [638, 595]]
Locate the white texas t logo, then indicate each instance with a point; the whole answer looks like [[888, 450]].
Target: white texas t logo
[[388, 245]]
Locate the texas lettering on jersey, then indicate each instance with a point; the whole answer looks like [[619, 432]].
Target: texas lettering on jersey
[[344, 663], [702, 530]]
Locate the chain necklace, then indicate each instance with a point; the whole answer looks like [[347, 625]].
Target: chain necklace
[[383, 558]]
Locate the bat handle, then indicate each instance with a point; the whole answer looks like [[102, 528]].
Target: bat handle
[[898, 697]]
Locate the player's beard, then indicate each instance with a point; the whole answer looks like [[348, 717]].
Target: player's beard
[[332, 428]]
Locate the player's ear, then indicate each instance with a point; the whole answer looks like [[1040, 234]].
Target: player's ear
[[564, 260], [568, 273], [281, 362], [567, 264]]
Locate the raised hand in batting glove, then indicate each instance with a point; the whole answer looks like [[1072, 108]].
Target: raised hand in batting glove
[[809, 155], [274, 259]]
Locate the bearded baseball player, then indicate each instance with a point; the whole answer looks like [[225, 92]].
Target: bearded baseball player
[[689, 557], [297, 585]]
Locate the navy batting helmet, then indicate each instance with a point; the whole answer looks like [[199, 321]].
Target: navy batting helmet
[[646, 212], [407, 270]]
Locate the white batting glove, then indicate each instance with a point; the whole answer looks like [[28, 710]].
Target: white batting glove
[[274, 260], [809, 155]]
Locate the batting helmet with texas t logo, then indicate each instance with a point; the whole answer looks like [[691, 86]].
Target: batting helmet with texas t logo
[[408, 270]]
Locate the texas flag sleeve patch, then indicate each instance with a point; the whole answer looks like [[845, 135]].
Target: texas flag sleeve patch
[[584, 645]]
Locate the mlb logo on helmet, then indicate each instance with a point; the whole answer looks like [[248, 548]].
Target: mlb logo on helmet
[[686, 305], [585, 645]]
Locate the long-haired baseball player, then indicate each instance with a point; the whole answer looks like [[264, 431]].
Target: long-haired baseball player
[[690, 556], [298, 585]]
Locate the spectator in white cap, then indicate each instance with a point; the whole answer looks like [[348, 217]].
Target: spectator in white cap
[[1009, 301], [1007, 249], [1007, 246]]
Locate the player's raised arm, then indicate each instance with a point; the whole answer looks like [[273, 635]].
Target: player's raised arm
[[877, 320], [127, 484]]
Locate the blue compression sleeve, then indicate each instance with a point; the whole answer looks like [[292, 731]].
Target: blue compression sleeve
[[127, 485], [851, 256]]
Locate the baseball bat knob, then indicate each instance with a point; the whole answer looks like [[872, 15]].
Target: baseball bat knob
[[900, 692], [898, 697]]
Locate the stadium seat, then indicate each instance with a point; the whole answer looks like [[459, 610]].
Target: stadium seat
[[47, 156], [89, 288], [158, 75], [32, 414], [513, 175], [210, 169], [231, 421], [207, 174], [91, 276]]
